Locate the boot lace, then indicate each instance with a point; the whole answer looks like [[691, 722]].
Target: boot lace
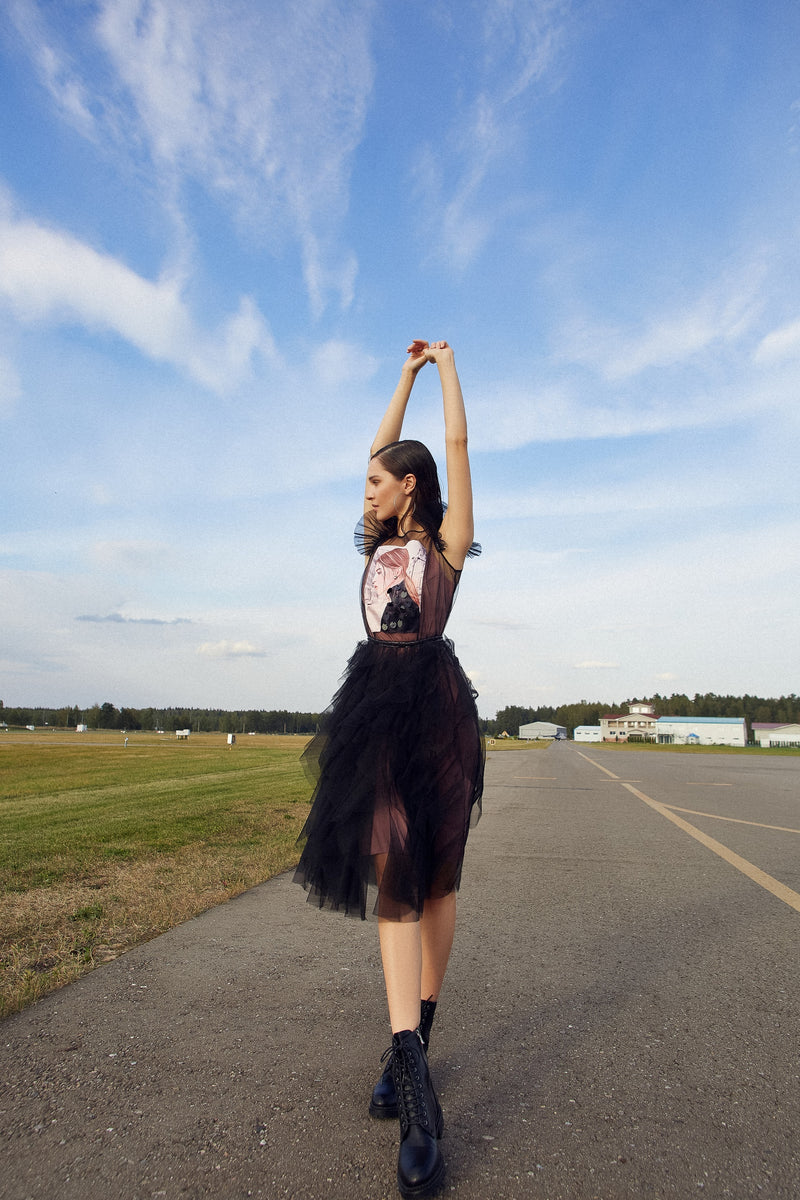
[[410, 1089]]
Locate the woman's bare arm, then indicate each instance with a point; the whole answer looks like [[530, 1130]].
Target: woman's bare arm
[[391, 426], [458, 527]]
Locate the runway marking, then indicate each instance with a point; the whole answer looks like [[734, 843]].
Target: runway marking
[[770, 884], [733, 820], [610, 774], [704, 783]]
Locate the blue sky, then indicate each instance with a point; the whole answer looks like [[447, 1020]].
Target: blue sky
[[221, 224]]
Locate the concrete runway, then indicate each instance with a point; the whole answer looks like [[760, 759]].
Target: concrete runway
[[620, 1018]]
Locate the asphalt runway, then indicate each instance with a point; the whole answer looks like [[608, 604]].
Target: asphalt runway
[[620, 1018]]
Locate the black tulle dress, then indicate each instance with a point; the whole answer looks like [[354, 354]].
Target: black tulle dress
[[398, 762]]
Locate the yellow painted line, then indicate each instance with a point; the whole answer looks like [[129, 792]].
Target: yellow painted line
[[734, 820], [546, 778], [741, 864], [610, 774], [703, 783], [770, 884]]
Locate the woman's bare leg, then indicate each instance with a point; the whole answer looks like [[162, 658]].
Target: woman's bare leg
[[401, 952], [437, 927], [415, 955]]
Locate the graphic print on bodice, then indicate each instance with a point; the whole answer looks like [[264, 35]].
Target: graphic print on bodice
[[393, 588]]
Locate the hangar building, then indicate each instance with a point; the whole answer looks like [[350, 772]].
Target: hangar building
[[768, 733], [542, 729]]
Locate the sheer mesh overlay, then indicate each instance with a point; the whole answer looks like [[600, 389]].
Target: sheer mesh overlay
[[397, 766]]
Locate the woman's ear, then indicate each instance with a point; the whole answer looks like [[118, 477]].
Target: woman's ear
[[409, 483]]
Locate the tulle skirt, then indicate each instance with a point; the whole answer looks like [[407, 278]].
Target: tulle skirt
[[397, 769]]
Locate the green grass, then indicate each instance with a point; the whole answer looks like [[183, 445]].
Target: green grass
[[103, 846], [85, 805], [493, 744]]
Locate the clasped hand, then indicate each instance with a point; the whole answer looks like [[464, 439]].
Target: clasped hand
[[421, 352]]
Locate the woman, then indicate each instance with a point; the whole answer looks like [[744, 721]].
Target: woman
[[398, 763]]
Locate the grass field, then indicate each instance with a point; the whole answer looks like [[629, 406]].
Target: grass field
[[104, 846], [494, 744]]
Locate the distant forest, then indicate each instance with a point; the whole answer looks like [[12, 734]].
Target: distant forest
[[199, 720], [785, 709]]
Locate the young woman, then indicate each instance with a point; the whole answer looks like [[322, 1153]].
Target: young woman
[[398, 762]]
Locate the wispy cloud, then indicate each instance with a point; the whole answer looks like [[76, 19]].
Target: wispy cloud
[[517, 46], [118, 619], [263, 105], [228, 649], [54, 65], [720, 314], [49, 276], [523, 39], [780, 344], [337, 363]]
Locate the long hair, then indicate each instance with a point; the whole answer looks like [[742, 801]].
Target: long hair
[[410, 457], [397, 557]]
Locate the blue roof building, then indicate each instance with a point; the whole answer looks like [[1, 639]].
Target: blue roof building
[[701, 731]]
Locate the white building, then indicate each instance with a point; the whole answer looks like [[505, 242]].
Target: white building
[[701, 731], [639, 724], [542, 729], [770, 733], [588, 733]]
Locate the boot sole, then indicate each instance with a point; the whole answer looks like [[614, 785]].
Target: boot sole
[[428, 1188], [383, 1112]]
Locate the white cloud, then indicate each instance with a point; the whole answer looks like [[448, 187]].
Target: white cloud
[[228, 649], [116, 618], [263, 104], [48, 275], [677, 602], [53, 65], [130, 555], [510, 415], [336, 363], [465, 225], [782, 343], [721, 314], [523, 41], [519, 43]]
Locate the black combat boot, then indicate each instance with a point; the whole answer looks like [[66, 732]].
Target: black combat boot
[[384, 1098], [420, 1166]]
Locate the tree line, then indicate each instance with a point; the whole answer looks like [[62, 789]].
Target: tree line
[[199, 720], [783, 709]]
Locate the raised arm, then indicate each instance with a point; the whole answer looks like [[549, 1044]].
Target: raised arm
[[458, 528], [391, 426]]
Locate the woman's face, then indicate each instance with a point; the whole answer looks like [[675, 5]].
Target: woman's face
[[385, 494], [386, 576]]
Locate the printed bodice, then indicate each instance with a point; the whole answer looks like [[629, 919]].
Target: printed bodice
[[407, 590]]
